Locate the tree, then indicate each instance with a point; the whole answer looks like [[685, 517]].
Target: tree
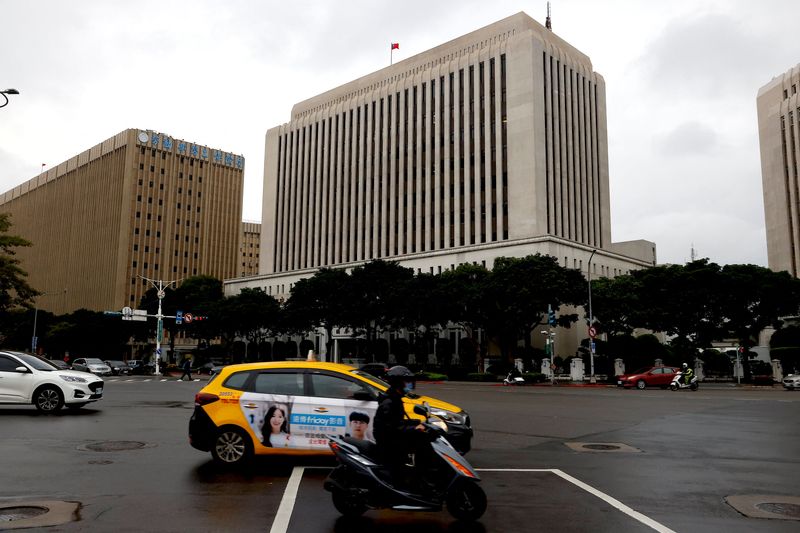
[[615, 304], [753, 298], [463, 290], [378, 291], [319, 301], [252, 314], [518, 292], [682, 301], [14, 289], [425, 310]]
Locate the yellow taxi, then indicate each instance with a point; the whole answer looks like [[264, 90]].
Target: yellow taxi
[[291, 407]]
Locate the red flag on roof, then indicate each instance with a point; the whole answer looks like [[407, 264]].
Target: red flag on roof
[[395, 46]]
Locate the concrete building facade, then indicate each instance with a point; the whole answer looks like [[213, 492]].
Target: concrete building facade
[[250, 249], [778, 106], [138, 204], [493, 144]]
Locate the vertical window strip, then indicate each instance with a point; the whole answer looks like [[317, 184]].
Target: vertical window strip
[[278, 208], [599, 198], [472, 213], [504, 145]]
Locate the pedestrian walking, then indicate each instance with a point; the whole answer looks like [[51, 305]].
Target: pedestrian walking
[[187, 369]]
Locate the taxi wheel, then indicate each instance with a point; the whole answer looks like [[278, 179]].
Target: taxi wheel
[[232, 446]]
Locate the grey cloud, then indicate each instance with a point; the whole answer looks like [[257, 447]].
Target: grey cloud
[[689, 138]]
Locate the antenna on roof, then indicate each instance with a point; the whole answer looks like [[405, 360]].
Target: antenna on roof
[[547, 23]]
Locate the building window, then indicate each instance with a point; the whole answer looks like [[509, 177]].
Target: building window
[[135, 247], [138, 214], [136, 231], [147, 233], [152, 168], [134, 264]]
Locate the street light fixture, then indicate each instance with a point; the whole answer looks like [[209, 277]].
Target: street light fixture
[[592, 379], [4, 93]]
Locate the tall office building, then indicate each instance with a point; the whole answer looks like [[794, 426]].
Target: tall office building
[[779, 135], [250, 249], [493, 144], [138, 204]]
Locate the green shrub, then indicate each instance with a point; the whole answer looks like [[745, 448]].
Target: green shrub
[[431, 376], [534, 377], [481, 376]]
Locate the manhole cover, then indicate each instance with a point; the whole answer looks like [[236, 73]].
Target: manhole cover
[[604, 447], [113, 446], [789, 510], [10, 514], [101, 462], [771, 506]]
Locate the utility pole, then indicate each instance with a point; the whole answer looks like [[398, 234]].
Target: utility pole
[[160, 287], [592, 379]]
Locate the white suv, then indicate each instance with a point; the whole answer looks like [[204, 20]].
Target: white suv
[[26, 379]]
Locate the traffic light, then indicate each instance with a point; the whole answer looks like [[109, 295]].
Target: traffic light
[[551, 316]]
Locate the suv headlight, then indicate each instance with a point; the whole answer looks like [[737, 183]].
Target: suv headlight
[[73, 379], [450, 416]]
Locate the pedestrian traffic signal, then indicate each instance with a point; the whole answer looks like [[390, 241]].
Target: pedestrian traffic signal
[[551, 317]]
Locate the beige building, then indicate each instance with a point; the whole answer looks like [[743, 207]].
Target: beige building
[[779, 134], [493, 144], [138, 204], [249, 250]]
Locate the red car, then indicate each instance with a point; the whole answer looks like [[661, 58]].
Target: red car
[[649, 376]]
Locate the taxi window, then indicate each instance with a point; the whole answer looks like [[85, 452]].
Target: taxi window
[[334, 387], [237, 381], [289, 383]]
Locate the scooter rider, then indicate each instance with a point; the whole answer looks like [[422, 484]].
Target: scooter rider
[[687, 374], [396, 434]]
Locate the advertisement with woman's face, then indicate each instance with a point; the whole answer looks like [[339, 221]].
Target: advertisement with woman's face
[[280, 421]]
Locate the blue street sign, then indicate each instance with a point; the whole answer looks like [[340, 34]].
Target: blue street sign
[[178, 317]]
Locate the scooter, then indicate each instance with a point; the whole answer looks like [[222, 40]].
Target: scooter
[[360, 482], [513, 380], [679, 383]]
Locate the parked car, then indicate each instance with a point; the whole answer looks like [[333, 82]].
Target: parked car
[[211, 367], [58, 363], [649, 376], [91, 364], [289, 407], [140, 367], [791, 382], [376, 369], [119, 368], [26, 379]]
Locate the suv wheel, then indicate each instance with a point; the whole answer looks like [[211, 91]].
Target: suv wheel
[[48, 399]]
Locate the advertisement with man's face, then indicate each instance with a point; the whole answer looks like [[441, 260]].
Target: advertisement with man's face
[[302, 422]]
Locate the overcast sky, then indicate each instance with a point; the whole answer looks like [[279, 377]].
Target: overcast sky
[[681, 80]]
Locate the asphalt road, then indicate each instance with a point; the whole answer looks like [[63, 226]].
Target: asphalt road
[[691, 450]]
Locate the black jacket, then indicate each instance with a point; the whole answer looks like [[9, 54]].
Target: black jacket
[[391, 423]]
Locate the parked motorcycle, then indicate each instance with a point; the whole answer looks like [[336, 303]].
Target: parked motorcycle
[[360, 482], [679, 383], [512, 379]]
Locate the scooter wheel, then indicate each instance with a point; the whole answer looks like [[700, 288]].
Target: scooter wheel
[[466, 501], [693, 386], [347, 505], [673, 387]]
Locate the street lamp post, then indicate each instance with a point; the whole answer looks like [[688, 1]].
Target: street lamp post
[[4, 93], [592, 379], [36, 316], [161, 287]]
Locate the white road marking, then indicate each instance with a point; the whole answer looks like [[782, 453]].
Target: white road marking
[[591, 490], [281, 522]]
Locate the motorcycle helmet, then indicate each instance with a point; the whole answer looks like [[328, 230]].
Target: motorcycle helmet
[[685, 366], [398, 376]]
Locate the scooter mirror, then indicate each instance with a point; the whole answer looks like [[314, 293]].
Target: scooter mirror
[[421, 409]]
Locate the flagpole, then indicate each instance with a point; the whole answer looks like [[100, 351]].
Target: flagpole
[[391, 53]]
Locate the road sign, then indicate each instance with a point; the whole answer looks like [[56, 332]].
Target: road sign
[[178, 317], [139, 315], [161, 294], [188, 318], [592, 332]]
